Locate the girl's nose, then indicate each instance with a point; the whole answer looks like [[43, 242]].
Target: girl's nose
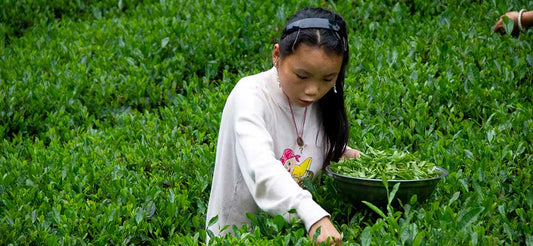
[[311, 89]]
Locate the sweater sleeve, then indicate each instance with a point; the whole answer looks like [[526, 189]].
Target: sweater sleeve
[[271, 186]]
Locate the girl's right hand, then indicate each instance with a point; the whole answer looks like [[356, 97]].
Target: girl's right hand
[[327, 230]]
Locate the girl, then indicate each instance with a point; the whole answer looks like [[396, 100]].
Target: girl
[[282, 125]]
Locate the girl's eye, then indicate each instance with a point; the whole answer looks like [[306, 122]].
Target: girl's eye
[[301, 77], [328, 80]]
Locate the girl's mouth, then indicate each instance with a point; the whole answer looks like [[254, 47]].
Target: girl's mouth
[[305, 102]]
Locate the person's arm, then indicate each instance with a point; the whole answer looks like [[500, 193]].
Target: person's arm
[[526, 20]]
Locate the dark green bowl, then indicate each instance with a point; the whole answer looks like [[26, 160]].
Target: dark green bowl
[[373, 190]]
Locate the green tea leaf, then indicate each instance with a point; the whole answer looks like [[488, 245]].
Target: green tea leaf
[[317, 234], [150, 209], [212, 221], [529, 198], [376, 209], [508, 24], [490, 135], [366, 237], [453, 198], [139, 215], [469, 218], [529, 240], [393, 192], [164, 42], [418, 239]]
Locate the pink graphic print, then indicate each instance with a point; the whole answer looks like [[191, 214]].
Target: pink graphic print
[[290, 162]]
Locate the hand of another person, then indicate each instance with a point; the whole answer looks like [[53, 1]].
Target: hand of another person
[[498, 27], [327, 230]]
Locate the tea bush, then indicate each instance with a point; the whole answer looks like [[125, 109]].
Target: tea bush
[[109, 113]]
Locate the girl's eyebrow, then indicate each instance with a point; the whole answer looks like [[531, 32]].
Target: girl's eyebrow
[[331, 74], [301, 70]]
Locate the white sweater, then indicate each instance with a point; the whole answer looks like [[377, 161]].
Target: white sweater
[[258, 159]]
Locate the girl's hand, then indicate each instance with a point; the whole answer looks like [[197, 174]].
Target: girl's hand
[[327, 230], [498, 27], [351, 153]]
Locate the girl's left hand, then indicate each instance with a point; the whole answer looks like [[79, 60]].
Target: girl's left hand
[[351, 153]]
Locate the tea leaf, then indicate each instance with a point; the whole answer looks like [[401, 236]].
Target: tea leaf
[[375, 209], [164, 42], [393, 192], [469, 218], [366, 237], [139, 215], [508, 24]]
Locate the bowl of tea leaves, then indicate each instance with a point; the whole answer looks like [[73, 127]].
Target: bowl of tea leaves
[[365, 178]]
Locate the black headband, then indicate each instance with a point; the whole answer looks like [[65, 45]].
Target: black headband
[[311, 23]]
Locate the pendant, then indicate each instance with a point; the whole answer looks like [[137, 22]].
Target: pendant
[[300, 141]]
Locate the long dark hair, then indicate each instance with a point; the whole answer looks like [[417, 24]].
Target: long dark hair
[[332, 109]]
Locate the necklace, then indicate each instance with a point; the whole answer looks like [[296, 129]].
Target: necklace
[[299, 139]]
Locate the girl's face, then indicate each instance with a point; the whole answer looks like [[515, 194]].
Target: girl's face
[[308, 74]]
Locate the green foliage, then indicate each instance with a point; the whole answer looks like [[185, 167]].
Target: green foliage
[[17, 16], [109, 112]]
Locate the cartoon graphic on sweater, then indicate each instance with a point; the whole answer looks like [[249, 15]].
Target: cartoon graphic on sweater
[[297, 171]]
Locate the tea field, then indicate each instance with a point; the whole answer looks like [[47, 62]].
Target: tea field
[[109, 114]]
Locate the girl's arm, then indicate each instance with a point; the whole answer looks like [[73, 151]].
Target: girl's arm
[[271, 186]]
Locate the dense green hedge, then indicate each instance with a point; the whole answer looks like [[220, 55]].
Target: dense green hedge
[[109, 113], [91, 70], [18, 16]]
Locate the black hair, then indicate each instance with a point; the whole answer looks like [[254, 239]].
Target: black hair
[[331, 105]]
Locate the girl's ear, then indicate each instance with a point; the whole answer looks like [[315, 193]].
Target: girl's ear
[[275, 55]]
